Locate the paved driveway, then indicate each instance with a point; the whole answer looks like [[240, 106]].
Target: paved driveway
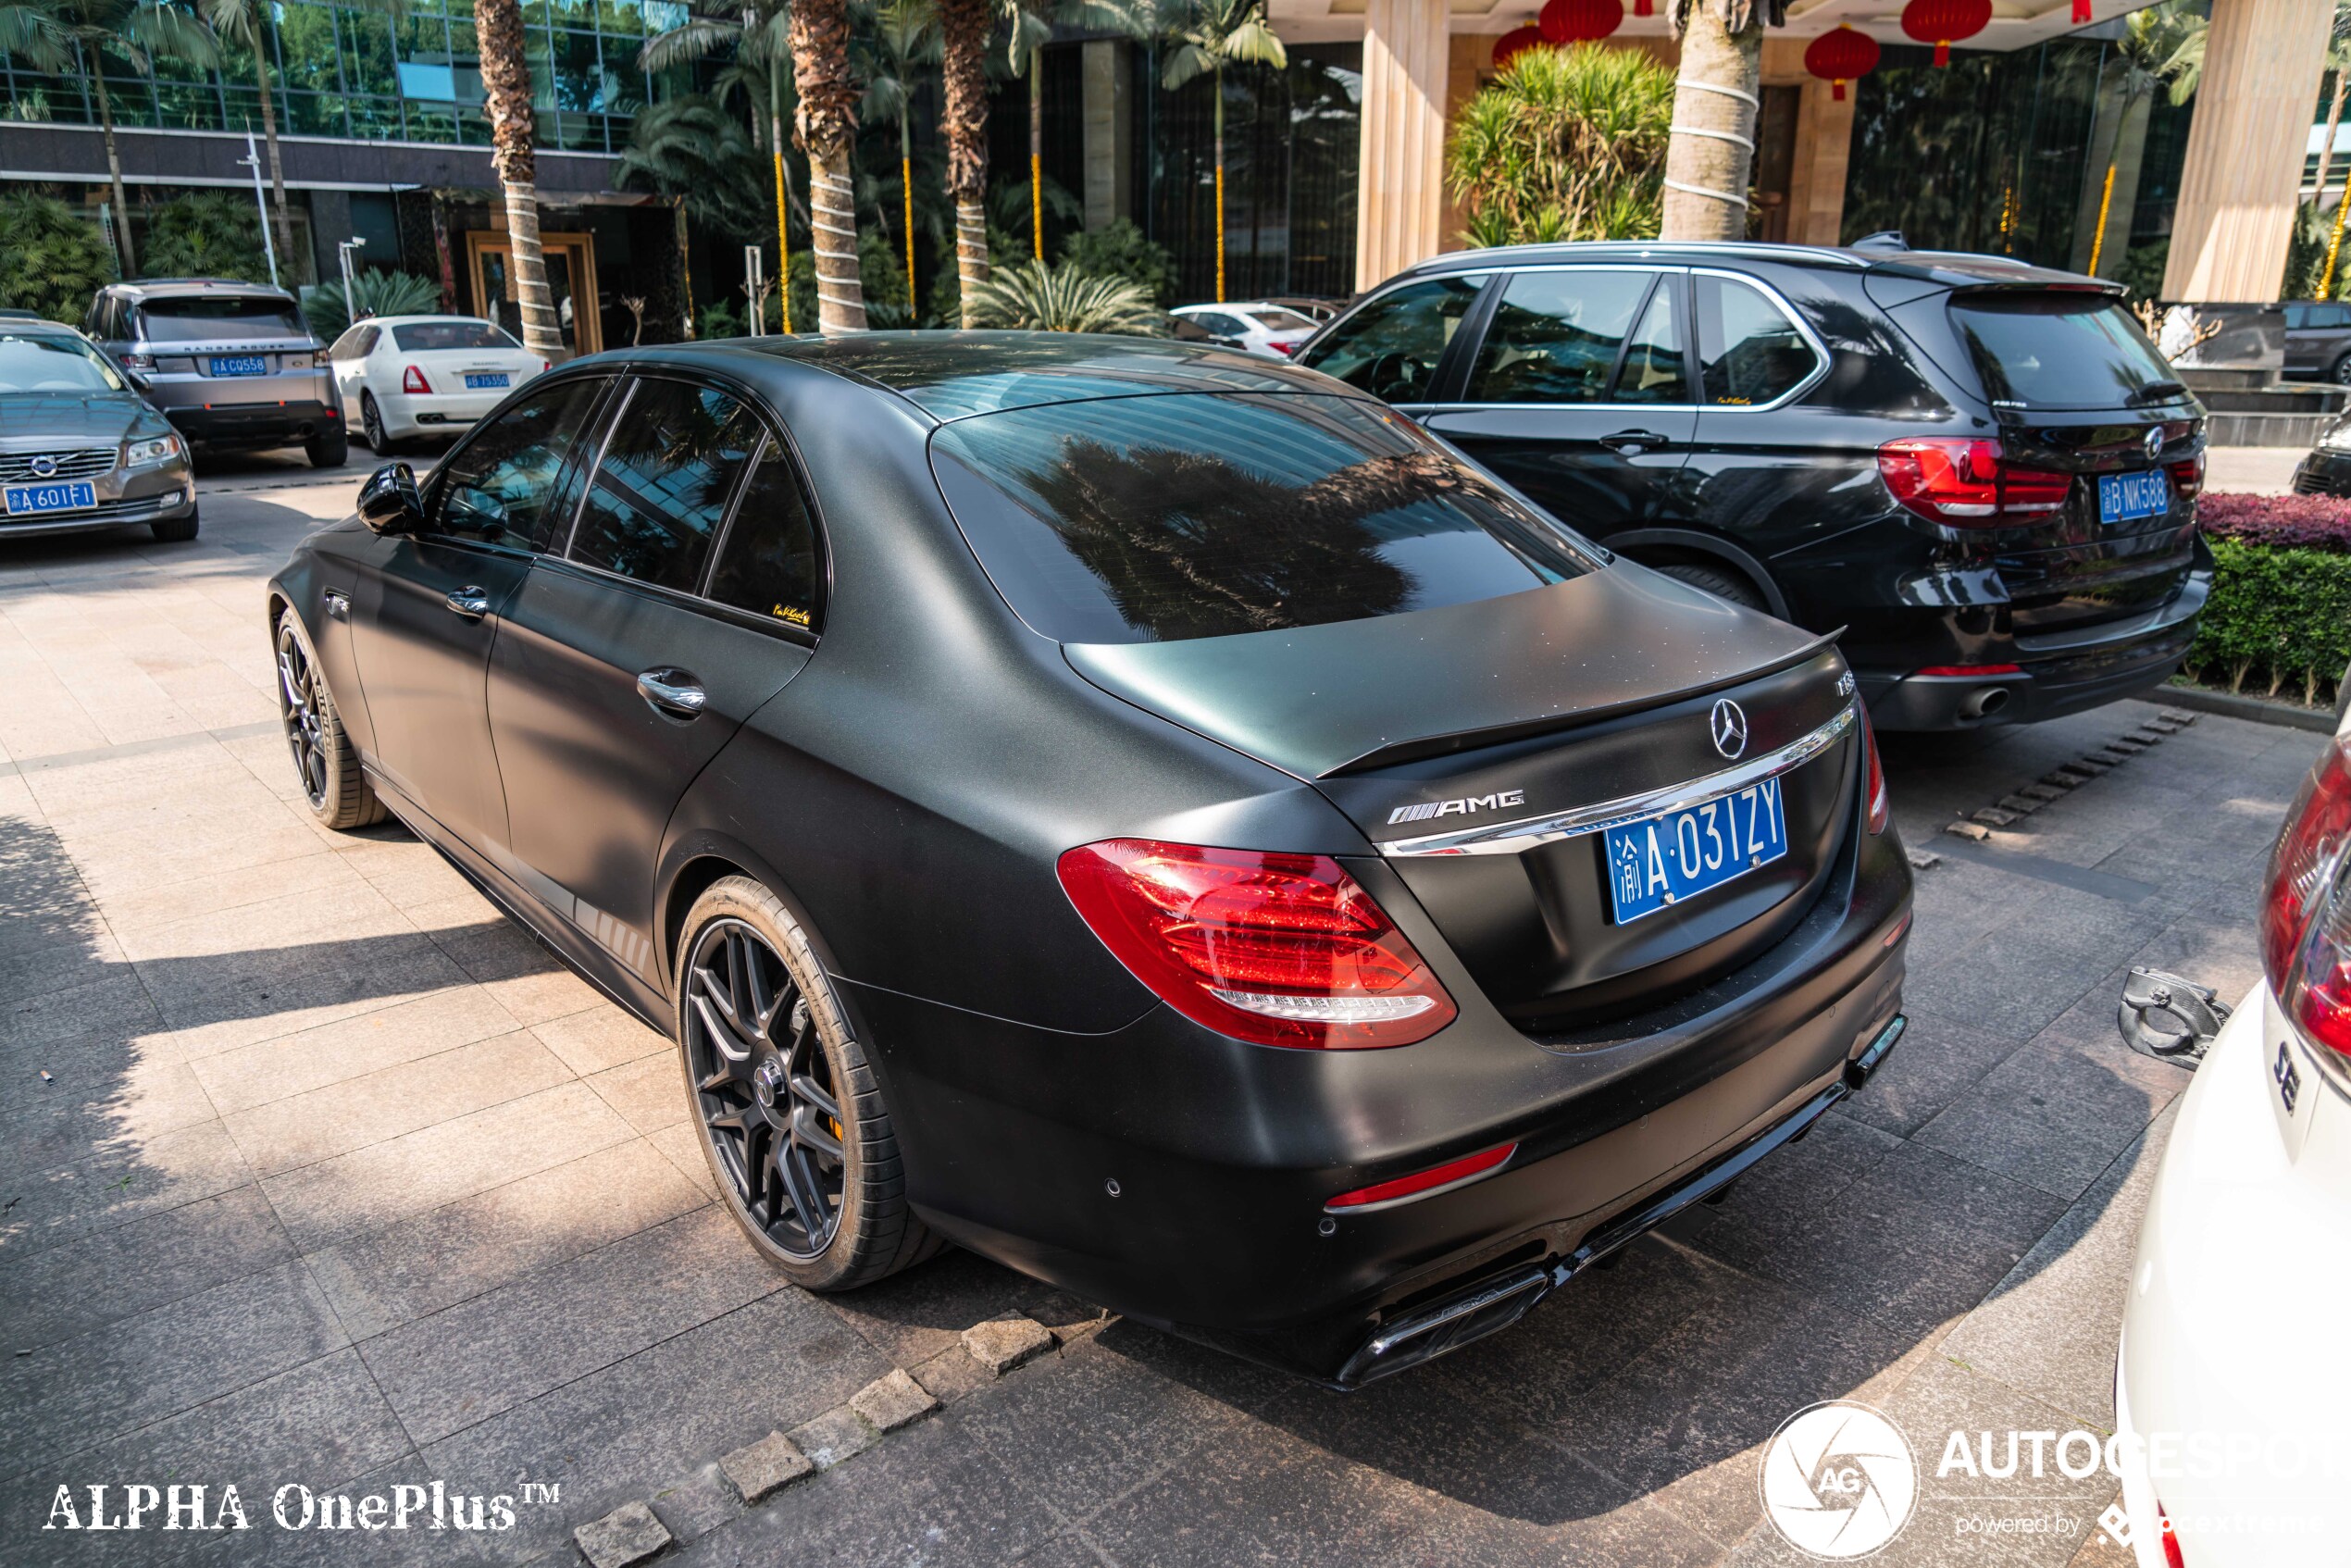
[[314, 1171]]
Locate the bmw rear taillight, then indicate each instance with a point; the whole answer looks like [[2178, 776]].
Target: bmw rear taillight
[[412, 380], [1969, 483], [2305, 918], [1881, 807], [1273, 949], [2187, 476]]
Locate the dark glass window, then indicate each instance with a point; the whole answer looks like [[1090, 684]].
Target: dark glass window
[[1654, 370], [768, 564], [424, 336], [2061, 351], [500, 487], [1750, 350], [1390, 347], [194, 319], [1162, 518], [660, 490], [1555, 336]]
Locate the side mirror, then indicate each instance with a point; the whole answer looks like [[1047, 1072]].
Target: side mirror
[[389, 502], [139, 383]]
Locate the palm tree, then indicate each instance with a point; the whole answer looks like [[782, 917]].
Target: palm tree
[[1712, 148], [826, 130], [245, 24], [506, 81], [905, 39], [1032, 24], [68, 37], [1208, 35], [759, 35], [962, 29]]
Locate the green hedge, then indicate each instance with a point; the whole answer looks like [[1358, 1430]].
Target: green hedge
[[2280, 620]]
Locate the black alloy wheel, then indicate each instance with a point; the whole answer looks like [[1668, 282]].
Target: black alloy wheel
[[371, 425], [764, 1088], [299, 705]]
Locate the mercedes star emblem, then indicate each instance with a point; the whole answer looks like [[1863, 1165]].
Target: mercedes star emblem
[[767, 1083], [1729, 728]]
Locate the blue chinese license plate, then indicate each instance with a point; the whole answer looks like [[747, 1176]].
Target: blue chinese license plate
[[1663, 860], [476, 381], [2124, 497], [238, 365], [74, 496]]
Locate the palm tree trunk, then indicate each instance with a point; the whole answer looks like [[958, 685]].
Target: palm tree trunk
[[269, 139], [113, 176], [1707, 161], [783, 230], [962, 26], [906, 189], [827, 127], [1036, 150], [505, 80], [1216, 84]]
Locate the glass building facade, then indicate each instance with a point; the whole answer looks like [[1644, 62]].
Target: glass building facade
[[345, 71]]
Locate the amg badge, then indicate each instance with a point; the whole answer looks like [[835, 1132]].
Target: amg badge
[[1427, 809]]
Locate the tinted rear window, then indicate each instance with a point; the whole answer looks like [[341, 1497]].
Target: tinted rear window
[[211, 319], [2061, 351], [424, 336], [1160, 520]]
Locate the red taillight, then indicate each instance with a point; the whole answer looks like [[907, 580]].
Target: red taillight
[[1881, 808], [412, 380], [2305, 918], [1968, 483], [1280, 348], [1453, 1173], [1972, 669], [1273, 949], [2171, 1557], [2187, 476]]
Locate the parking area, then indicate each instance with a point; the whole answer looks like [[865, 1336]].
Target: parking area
[[317, 1173]]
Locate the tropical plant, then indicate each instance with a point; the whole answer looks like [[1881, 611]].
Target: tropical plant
[[207, 234], [245, 24], [1564, 144], [1031, 24], [2170, 37], [1204, 36], [2141, 273], [1119, 249], [1711, 151], [373, 292], [690, 148], [74, 37], [826, 127], [1037, 298], [506, 81], [963, 37], [904, 43], [54, 258]]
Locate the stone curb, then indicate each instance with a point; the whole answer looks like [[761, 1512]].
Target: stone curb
[[2256, 710]]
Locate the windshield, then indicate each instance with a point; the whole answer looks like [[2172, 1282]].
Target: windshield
[[1158, 519], [41, 363], [211, 319], [1282, 320], [424, 336], [2061, 351]]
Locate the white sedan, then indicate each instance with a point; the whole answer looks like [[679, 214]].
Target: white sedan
[[2232, 1388], [1257, 326], [403, 376]]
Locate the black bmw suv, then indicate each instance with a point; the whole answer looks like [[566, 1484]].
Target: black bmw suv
[[1983, 471]]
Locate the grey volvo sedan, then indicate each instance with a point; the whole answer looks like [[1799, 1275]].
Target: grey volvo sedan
[[79, 448]]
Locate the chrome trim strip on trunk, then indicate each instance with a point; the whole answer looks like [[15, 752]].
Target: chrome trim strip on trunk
[[1512, 838]]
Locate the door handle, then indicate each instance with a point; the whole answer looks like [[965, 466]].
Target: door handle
[[673, 692], [470, 602], [1631, 441]]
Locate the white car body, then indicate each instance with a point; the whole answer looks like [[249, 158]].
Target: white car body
[[2231, 1400], [371, 364], [1254, 325]]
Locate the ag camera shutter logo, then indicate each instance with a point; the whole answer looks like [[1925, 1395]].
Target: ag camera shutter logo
[[1839, 1480]]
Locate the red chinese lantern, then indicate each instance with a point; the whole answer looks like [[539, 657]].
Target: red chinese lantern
[[1515, 42], [1644, 8], [1840, 57], [2081, 13], [1940, 22], [1584, 21]]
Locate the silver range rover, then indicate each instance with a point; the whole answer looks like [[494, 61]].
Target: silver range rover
[[232, 365], [79, 448]]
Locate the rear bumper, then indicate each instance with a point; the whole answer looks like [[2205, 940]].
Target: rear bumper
[[415, 413], [230, 426]]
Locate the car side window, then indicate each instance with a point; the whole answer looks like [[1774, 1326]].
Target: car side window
[[767, 563], [1390, 347], [1555, 337], [500, 488], [661, 488], [354, 344], [1749, 352]]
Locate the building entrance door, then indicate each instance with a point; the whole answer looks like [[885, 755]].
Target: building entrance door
[[571, 278]]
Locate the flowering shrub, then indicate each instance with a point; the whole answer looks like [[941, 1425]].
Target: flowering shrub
[[2280, 615], [2295, 522]]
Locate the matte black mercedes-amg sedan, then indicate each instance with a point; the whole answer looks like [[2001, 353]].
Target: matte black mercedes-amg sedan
[[1149, 814]]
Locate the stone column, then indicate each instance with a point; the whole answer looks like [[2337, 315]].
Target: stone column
[[1106, 110], [2253, 110], [1823, 149], [1400, 200]]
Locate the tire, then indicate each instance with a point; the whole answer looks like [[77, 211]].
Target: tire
[[174, 530], [1719, 581], [330, 449], [326, 761], [743, 957], [2340, 373], [371, 426]]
